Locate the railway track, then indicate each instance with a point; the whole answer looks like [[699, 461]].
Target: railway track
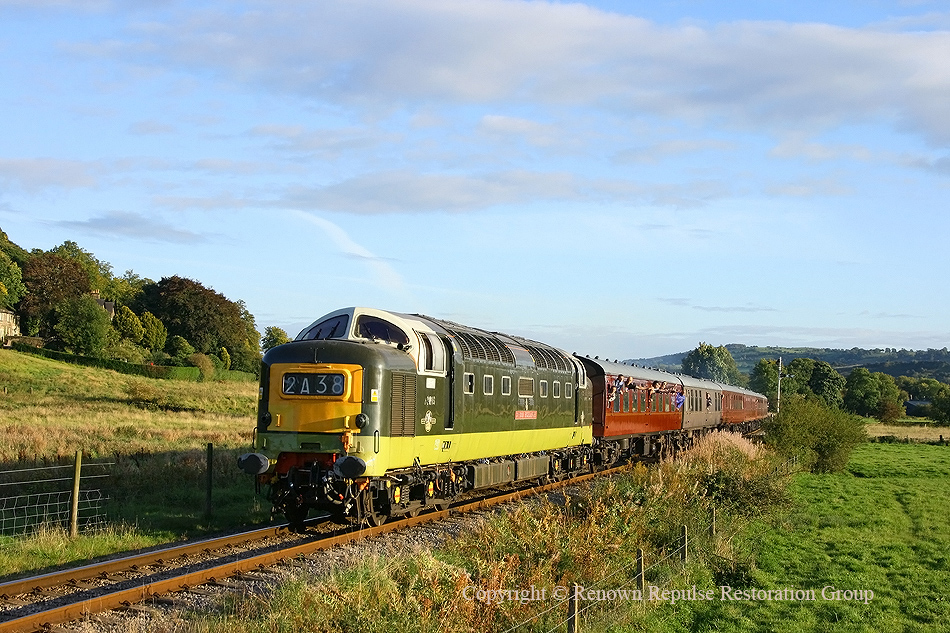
[[42, 602]]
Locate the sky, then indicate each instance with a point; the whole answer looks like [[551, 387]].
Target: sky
[[622, 179]]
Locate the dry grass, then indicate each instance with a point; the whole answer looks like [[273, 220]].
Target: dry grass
[[913, 433], [590, 538], [52, 409]]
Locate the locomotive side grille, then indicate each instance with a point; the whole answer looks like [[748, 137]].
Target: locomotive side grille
[[403, 409], [545, 358], [481, 347]]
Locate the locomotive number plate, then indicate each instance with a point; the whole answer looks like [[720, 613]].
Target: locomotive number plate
[[313, 384]]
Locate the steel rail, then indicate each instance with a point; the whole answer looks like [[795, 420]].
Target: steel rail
[[152, 557], [43, 620]]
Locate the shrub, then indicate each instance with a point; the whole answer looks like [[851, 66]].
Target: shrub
[[204, 365], [823, 437]]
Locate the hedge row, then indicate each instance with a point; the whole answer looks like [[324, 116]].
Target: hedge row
[[151, 371]]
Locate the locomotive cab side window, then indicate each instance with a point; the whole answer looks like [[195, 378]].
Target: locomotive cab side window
[[334, 327], [377, 329]]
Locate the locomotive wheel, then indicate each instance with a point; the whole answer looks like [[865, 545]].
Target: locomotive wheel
[[372, 517]]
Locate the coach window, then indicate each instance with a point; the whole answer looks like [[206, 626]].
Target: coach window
[[626, 401], [506, 385], [468, 383], [556, 388], [543, 388], [617, 398], [488, 385]]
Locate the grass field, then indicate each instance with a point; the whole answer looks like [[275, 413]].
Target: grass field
[[155, 432], [883, 526]]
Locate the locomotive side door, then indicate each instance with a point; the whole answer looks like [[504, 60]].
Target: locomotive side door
[[435, 398]]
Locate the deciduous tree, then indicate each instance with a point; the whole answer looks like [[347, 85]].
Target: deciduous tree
[[50, 280], [83, 325], [274, 336], [712, 363], [11, 282]]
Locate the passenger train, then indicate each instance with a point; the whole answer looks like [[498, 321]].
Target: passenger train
[[370, 414]]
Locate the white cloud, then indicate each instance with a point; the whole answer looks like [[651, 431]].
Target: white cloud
[[39, 173], [135, 226], [382, 271], [746, 74]]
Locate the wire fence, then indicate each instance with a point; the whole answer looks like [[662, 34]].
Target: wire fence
[[34, 497]]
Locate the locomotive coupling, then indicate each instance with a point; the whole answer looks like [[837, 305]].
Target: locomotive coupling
[[254, 463]]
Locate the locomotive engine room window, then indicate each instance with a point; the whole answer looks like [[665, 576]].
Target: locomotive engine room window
[[488, 385], [432, 353], [334, 327], [525, 387], [556, 389], [468, 383], [568, 390], [506, 385], [543, 388], [378, 329]]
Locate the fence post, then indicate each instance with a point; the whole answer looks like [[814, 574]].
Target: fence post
[[74, 510], [685, 544], [640, 582], [573, 625], [210, 461]]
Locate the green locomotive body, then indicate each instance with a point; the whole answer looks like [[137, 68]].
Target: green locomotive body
[[371, 414]]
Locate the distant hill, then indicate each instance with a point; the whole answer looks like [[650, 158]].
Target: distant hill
[[931, 363]]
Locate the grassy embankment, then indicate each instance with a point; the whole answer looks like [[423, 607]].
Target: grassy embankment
[[882, 525], [156, 432]]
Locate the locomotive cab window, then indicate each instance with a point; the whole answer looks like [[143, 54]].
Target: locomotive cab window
[[334, 327], [506, 385], [468, 383], [377, 329]]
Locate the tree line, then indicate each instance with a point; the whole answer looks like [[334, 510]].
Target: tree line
[[862, 392], [174, 321]]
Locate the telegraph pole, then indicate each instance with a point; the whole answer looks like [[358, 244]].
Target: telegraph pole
[[778, 397]]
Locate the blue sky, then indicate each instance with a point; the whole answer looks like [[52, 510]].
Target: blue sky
[[624, 179]]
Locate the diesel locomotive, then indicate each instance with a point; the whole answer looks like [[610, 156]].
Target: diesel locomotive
[[370, 414]]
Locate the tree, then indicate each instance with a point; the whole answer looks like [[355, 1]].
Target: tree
[[712, 363], [98, 272], [50, 280], [872, 395], [128, 325], [274, 336], [83, 325], [202, 316], [127, 288], [11, 282], [154, 333], [225, 358], [179, 348], [827, 384], [764, 379]]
